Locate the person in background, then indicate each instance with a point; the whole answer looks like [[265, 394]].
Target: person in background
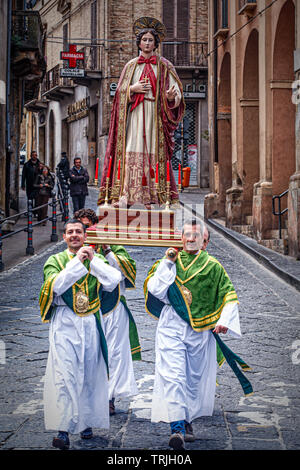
[[63, 169], [29, 173], [43, 185], [41, 166], [79, 179]]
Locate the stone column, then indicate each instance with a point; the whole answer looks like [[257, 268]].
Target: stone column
[[262, 209], [234, 206], [234, 194], [262, 190]]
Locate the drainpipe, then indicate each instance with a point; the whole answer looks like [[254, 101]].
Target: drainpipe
[[7, 136], [216, 157]]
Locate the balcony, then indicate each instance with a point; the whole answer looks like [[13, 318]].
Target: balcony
[[27, 43], [54, 87], [247, 8], [94, 61], [221, 34], [185, 54]]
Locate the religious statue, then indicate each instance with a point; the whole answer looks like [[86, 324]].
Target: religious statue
[[147, 108]]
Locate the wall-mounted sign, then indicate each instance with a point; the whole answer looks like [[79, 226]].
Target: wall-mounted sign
[[71, 72], [72, 56], [194, 89], [112, 89], [194, 94], [78, 110]]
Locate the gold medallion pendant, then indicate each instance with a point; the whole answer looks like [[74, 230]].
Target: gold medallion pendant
[[187, 294], [81, 302]]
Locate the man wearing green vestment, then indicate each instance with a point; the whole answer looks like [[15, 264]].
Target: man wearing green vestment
[[120, 329], [194, 300], [76, 379]]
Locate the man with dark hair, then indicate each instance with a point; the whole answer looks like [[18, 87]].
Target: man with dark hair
[[29, 174], [194, 299], [87, 216], [79, 179], [76, 379]]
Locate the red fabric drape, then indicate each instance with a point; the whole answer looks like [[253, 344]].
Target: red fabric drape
[[147, 72]]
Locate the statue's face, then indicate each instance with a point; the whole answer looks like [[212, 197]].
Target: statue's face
[[147, 43]]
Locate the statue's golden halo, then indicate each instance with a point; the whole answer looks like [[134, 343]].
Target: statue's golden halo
[[147, 22]]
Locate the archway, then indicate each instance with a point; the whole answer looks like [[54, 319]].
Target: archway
[[283, 142], [42, 143], [224, 132]]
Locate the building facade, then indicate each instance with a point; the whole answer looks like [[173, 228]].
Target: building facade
[[22, 67], [73, 114], [254, 63]]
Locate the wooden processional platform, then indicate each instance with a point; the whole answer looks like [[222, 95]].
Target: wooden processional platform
[[142, 227]]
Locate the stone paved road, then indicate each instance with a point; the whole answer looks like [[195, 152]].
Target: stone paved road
[[270, 320]]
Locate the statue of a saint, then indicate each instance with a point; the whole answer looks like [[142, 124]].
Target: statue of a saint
[[147, 108]]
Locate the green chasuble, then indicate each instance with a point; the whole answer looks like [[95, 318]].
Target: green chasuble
[[128, 268], [88, 284], [198, 295], [200, 291]]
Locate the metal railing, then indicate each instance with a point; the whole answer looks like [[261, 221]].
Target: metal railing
[[242, 3], [279, 212], [53, 79], [93, 58], [186, 53], [61, 198]]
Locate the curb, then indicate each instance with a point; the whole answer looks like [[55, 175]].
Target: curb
[[261, 258]]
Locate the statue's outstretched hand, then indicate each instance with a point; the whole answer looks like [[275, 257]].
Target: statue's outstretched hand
[[171, 93]]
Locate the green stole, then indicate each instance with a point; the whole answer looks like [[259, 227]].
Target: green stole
[[109, 301], [199, 293], [88, 283]]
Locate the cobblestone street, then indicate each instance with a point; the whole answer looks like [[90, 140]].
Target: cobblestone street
[[270, 321]]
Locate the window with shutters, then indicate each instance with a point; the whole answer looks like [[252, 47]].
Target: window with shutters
[[65, 48], [224, 14], [94, 34], [221, 10], [176, 21], [65, 37]]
